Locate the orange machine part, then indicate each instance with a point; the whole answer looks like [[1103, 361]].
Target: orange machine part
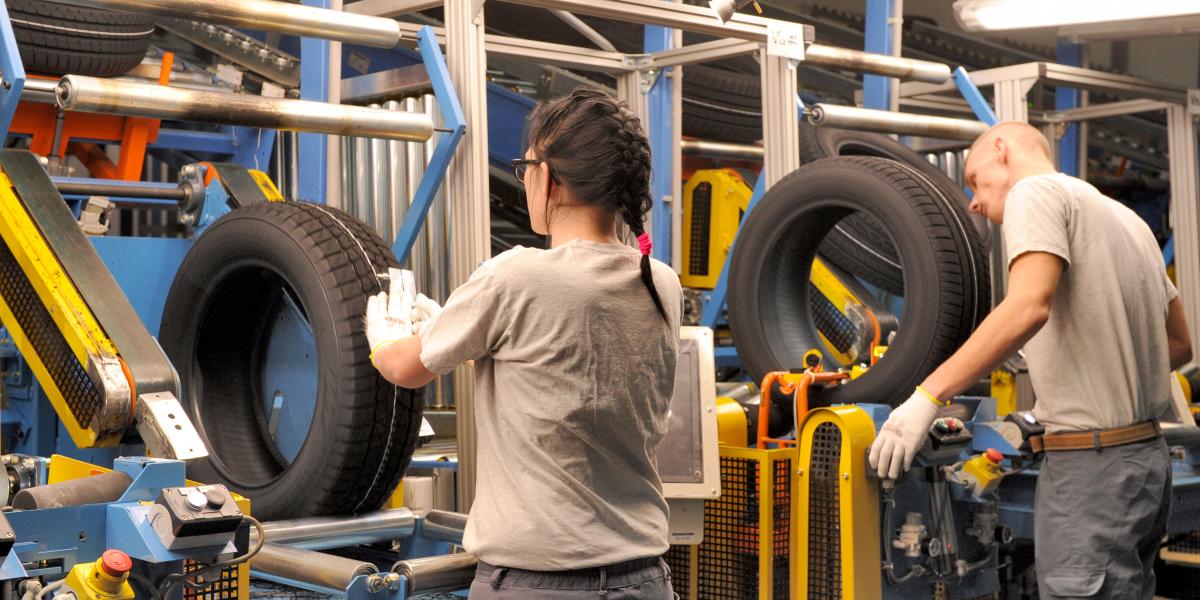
[[132, 133], [800, 389]]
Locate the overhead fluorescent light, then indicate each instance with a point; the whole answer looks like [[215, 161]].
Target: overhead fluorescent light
[[999, 15]]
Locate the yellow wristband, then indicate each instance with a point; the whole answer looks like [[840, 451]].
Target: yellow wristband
[[931, 397], [377, 348]]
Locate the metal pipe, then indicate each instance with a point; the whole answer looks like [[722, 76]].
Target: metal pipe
[[166, 192], [444, 526], [364, 204], [877, 64], [314, 568], [322, 533], [721, 150], [396, 201], [264, 15], [39, 90], [865, 119], [105, 487], [437, 573], [380, 195], [92, 94], [585, 30]]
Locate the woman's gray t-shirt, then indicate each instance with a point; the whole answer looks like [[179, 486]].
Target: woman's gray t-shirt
[[574, 371]]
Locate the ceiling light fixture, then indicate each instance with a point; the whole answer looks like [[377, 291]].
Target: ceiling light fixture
[[999, 15], [725, 9]]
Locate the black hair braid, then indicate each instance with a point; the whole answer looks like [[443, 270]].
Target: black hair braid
[[596, 146], [635, 197]]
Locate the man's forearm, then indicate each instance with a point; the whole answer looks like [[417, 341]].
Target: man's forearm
[[1001, 334]]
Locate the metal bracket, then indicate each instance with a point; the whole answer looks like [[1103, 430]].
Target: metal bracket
[[638, 62], [1193, 102], [166, 429], [646, 79]]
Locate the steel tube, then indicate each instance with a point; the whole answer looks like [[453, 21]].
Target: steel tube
[[721, 150], [92, 94], [265, 15], [877, 64], [437, 573], [585, 30], [39, 90], [323, 533], [444, 526], [167, 192], [314, 568], [380, 180], [865, 119]]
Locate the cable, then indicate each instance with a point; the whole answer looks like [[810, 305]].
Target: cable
[[49, 588], [167, 585]]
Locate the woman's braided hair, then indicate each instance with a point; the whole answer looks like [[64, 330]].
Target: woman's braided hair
[[596, 146]]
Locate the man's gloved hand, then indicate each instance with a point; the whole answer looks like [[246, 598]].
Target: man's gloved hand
[[389, 315], [424, 309], [903, 434]]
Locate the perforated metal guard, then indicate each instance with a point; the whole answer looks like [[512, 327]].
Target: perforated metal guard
[[781, 536], [1189, 544], [71, 378], [824, 532], [701, 222], [679, 559], [729, 554], [224, 588], [835, 326]]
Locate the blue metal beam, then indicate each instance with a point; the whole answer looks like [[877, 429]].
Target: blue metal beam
[[12, 70], [452, 119], [662, 150], [974, 98], [194, 141], [1064, 98], [314, 85], [253, 147], [877, 90]]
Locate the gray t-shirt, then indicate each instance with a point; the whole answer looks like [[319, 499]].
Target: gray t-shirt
[[574, 371], [1101, 359]]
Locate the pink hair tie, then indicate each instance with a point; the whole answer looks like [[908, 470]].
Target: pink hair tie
[[645, 244]]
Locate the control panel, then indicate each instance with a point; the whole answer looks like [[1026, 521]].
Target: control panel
[[192, 517]]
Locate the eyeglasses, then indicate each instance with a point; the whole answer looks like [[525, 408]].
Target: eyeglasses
[[521, 164]]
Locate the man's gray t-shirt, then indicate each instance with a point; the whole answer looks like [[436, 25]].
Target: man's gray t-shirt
[[1101, 360], [574, 371]]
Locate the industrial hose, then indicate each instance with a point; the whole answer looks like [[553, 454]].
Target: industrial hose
[[889, 503]]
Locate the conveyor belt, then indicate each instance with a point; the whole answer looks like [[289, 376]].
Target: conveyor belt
[[74, 326]]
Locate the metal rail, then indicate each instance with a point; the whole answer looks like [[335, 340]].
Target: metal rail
[[865, 119], [92, 94], [265, 15], [322, 533], [314, 568], [876, 64]]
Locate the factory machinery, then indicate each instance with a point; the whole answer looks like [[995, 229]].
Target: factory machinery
[[233, 486]]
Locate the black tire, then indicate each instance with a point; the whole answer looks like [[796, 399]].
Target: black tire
[[947, 282], [57, 39], [721, 105], [363, 429], [860, 246]]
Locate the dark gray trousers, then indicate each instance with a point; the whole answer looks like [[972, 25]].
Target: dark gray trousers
[[651, 582], [1099, 520]]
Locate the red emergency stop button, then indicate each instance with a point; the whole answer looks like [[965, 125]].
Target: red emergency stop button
[[115, 563], [994, 455]]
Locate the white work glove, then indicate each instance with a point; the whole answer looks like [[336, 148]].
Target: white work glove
[[389, 315], [424, 309], [903, 434]]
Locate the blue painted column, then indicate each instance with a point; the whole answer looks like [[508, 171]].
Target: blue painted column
[[662, 158], [877, 90], [1064, 97], [314, 85]]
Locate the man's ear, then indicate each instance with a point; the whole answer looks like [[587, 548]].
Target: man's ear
[[1001, 150]]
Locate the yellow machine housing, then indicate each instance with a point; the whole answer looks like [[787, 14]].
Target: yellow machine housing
[[713, 203], [91, 582], [836, 544]]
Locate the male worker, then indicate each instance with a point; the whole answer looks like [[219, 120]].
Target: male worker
[[1102, 326]]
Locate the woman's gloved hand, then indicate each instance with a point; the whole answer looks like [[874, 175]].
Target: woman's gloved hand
[[389, 314], [424, 310]]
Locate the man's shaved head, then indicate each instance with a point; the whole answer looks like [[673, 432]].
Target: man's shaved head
[[1019, 136], [1005, 153]]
